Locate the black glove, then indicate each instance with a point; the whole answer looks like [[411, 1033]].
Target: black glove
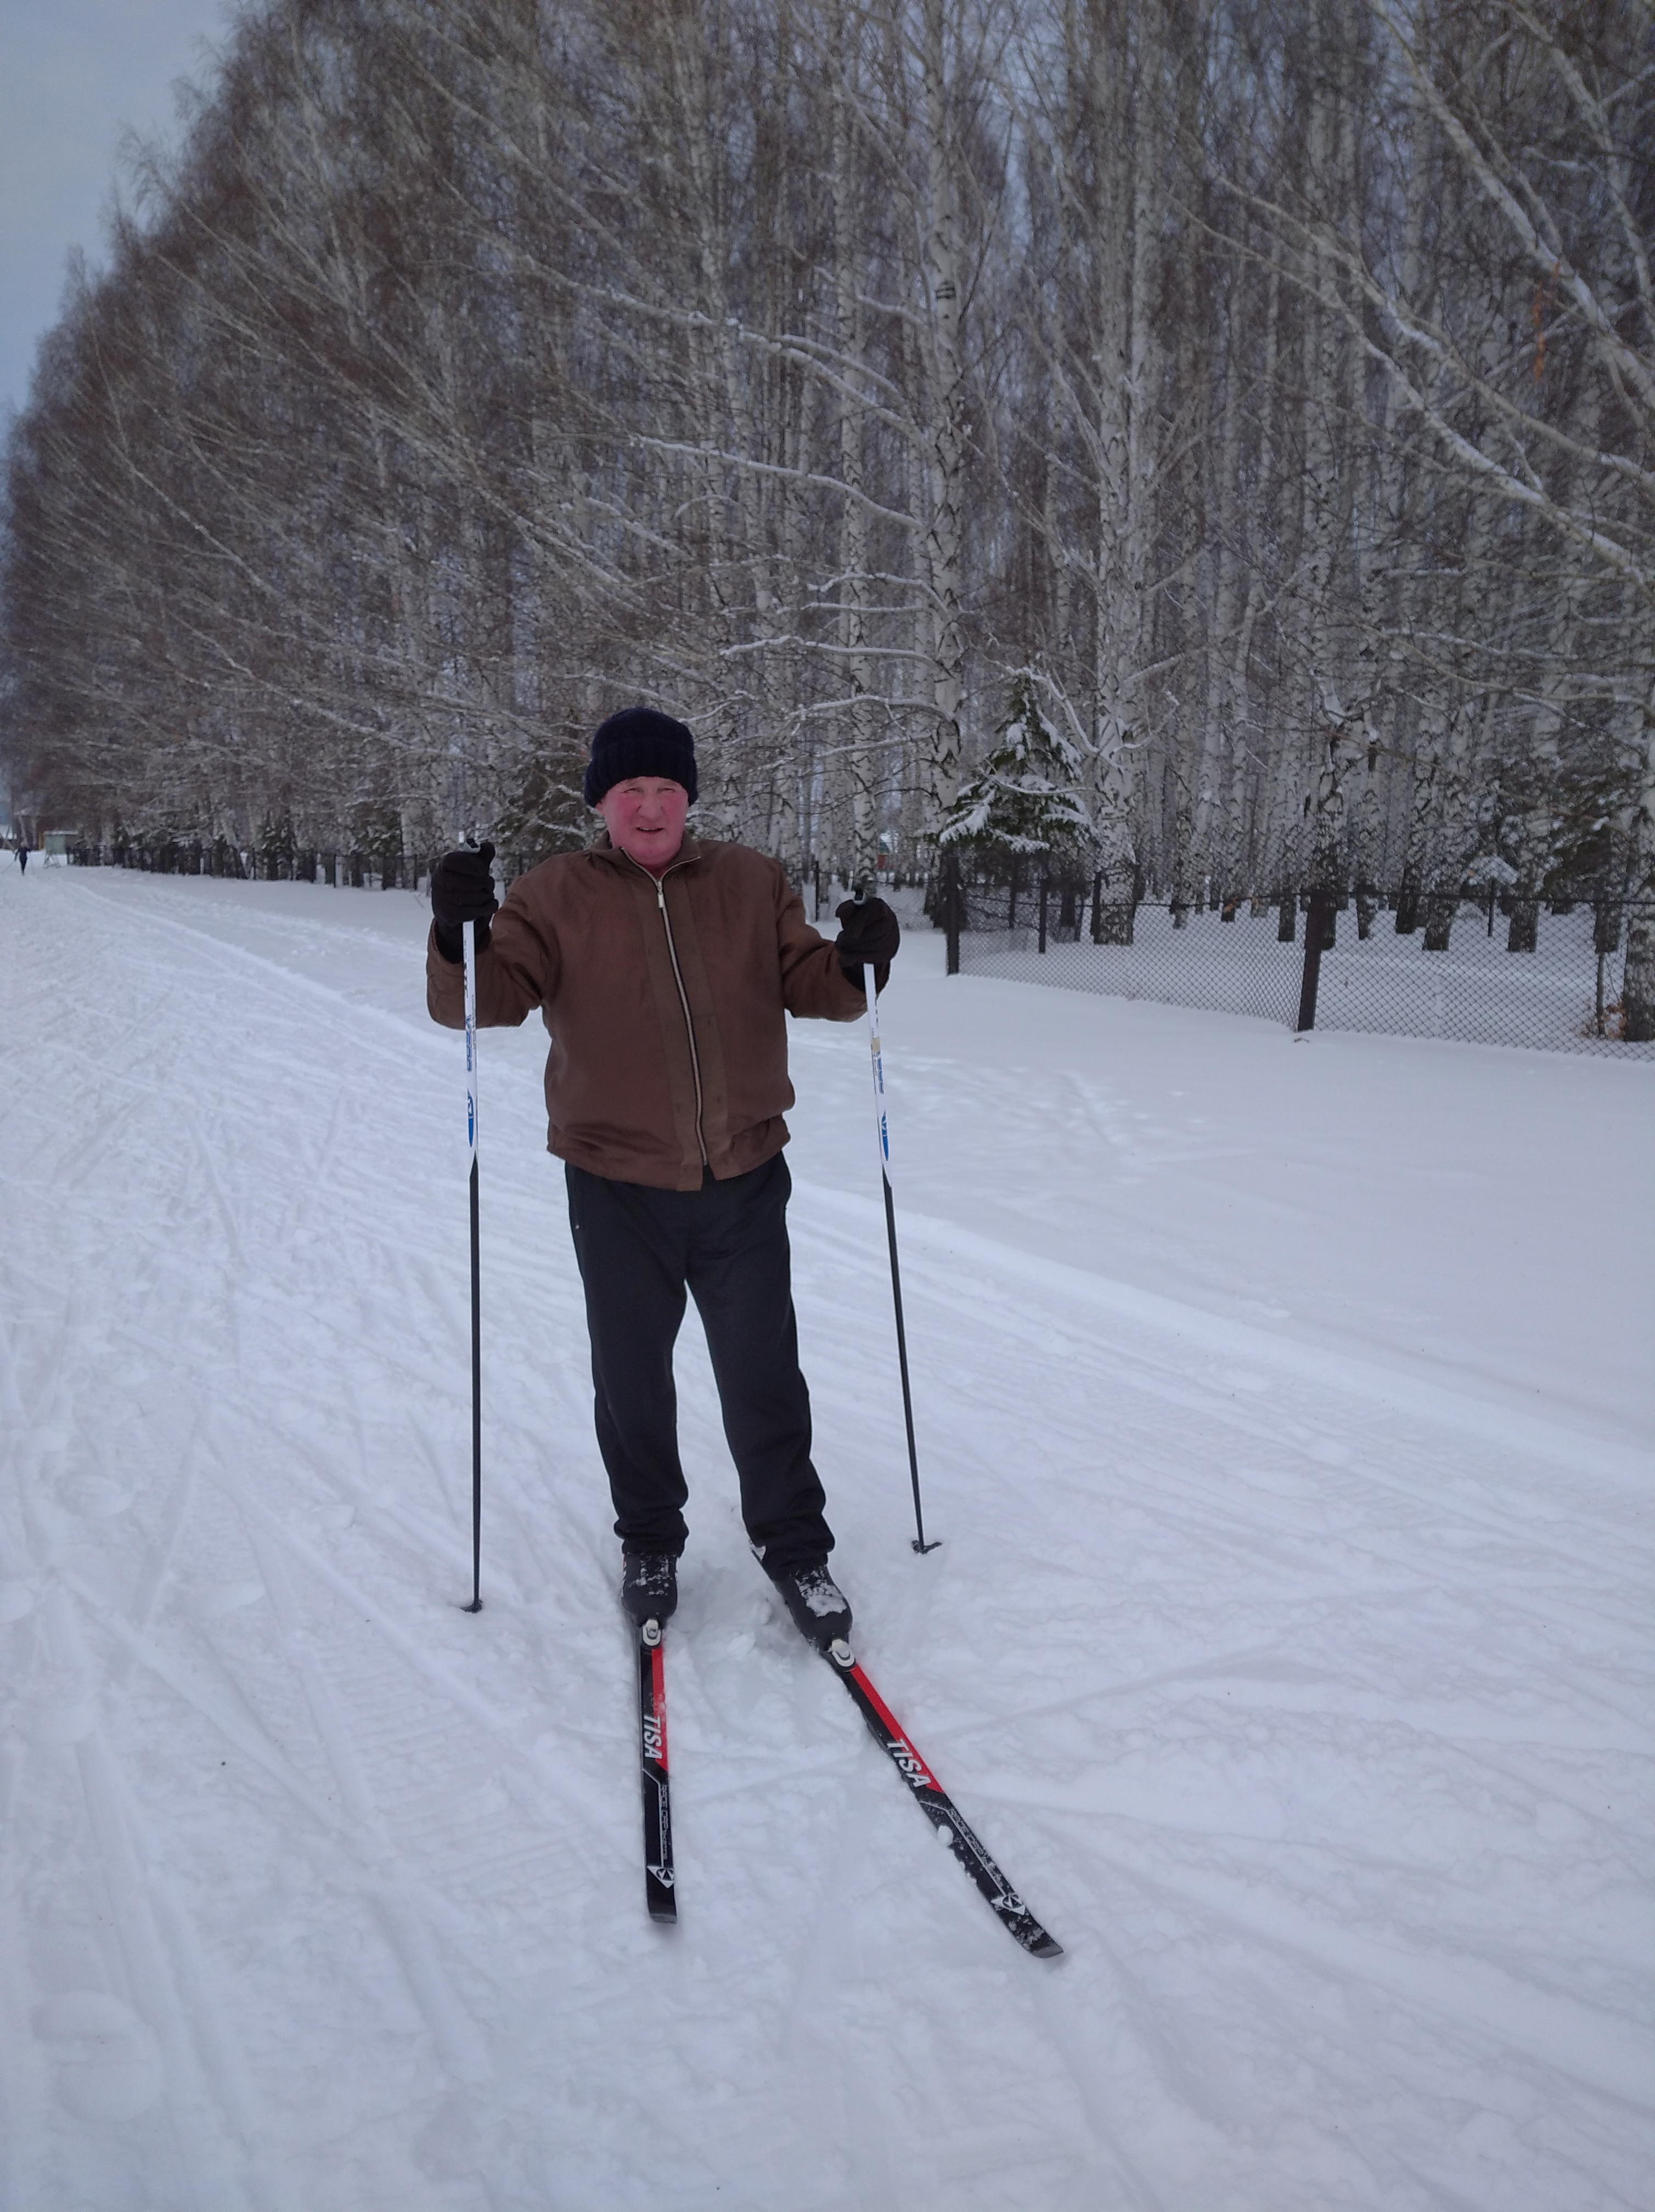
[[868, 931], [462, 890]]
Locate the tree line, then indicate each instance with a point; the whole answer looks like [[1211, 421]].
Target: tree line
[[1259, 396]]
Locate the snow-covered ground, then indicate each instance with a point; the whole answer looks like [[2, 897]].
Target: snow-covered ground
[[1286, 1412]]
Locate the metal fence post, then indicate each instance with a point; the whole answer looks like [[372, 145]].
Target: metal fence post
[[1315, 931]]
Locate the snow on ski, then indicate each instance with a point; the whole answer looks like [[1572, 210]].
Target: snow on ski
[[658, 1890], [938, 1807]]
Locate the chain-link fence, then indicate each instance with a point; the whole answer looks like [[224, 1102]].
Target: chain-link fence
[[1260, 957], [1455, 974], [377, 867]]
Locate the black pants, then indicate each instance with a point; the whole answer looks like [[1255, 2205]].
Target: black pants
[[640, 1249]]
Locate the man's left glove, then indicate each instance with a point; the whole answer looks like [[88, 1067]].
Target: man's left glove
[[868, 931], [462, 890]]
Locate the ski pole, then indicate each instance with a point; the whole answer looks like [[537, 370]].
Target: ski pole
[[475, 1605], [884, 1134]]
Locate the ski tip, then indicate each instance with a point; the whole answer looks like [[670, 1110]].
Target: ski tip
[[1047, 1948], [664, 1916]]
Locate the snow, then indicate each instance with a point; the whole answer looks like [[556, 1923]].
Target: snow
[[1285, 1410]]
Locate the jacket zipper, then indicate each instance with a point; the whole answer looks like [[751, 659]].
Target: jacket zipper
[[683, 1001]]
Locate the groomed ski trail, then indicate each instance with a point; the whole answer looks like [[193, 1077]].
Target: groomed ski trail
[[1309, 1700]]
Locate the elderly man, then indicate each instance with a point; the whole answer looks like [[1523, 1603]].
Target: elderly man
[[663, 966]]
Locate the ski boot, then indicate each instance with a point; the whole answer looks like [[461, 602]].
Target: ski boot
[[649, 1586], [820, 1609]]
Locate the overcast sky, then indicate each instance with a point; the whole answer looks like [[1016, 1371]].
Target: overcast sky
[[75, 75]]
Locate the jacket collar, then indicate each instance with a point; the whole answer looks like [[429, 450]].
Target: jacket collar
[[692, 848]]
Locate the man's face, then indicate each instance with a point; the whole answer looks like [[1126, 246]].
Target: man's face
[[644, 818]]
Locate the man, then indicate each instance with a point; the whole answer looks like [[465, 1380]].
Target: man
[[663, 968]]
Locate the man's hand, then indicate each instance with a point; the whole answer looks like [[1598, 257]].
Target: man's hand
[[868, 931], [462, 890]]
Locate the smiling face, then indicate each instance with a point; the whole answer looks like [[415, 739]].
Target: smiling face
[[644, 816]]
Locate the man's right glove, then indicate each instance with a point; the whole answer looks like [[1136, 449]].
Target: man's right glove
[[868, 931], [462, 890]]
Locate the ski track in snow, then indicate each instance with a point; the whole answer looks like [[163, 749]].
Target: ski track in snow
[[1299, 1674]]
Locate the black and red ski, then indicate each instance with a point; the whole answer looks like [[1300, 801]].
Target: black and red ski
[[658, 1888], [938, 1807]]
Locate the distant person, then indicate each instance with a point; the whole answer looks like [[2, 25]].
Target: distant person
[[664, 968], [22, 858]]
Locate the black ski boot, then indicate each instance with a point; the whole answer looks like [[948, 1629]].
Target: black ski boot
[[649, 1585], [820, 1609]]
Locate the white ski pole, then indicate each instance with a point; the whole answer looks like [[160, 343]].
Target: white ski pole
[[883, 1130], [475, 1605]]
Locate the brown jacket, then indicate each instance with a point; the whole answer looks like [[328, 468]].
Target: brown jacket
[[664, 1004]]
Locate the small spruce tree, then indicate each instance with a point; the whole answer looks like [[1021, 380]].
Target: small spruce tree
[[1023, 808], [1025, 796]]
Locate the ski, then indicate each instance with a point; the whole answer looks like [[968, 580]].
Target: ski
[[938, 1807], [659, 1893]]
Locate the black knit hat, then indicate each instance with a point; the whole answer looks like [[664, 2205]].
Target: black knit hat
[[640, 742]]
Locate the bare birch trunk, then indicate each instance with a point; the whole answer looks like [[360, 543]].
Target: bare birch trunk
[[947, 425], [1124, 374], [852, 527], [1539, 779], [1445, 871], [1323, 738], [1218, 800], [1638, 990]]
